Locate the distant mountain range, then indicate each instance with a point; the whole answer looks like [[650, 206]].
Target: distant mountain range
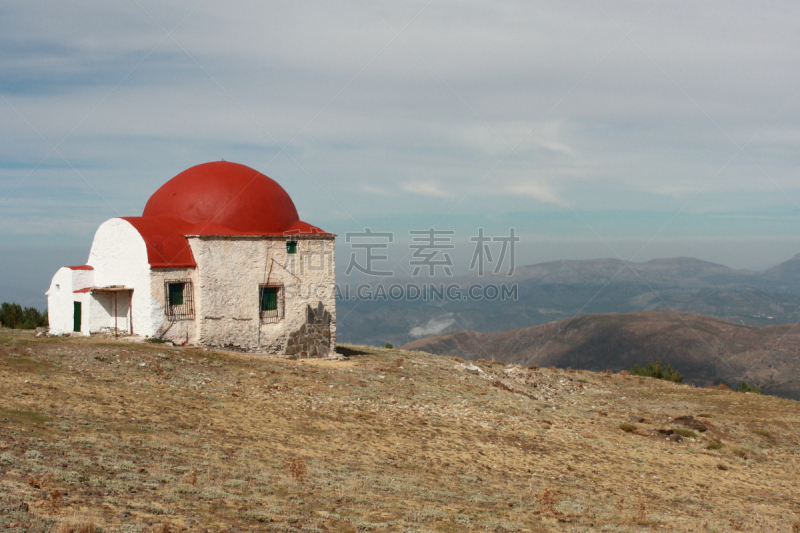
[[706, 350], [562, 289]]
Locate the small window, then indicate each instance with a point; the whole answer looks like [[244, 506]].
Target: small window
[[176, 293], [270, 299], [178, 296], [291, 247]]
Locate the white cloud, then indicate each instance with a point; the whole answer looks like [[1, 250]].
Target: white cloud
[[434, 326], [436, 113], [537, 191], [425, 189]]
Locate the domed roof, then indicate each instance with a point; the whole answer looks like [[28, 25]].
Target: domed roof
[[227, 194], [219, 198]]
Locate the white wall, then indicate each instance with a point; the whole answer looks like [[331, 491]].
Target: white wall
[[59, 302], [119, 257], [61, 297], [99, 311]]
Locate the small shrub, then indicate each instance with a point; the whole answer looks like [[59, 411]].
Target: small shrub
[[627, 427], [722, 466], [655, 369], [714, 446], [641, 511], [77, 526], [763, 433], [256, 516], [684, 432], [743, 453], [297, 468], [744, 387], [157, 509], [548, 499], [388, 345]]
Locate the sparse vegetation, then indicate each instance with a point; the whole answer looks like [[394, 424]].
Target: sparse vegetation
[[655, 369], [73, 525], [388, 345], [383, 441], [297, 468], [714, 446], [744, 387], [685, 432], [14, 316]]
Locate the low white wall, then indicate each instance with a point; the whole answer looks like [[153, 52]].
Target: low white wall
[[119, 257], [229, 272], [61, 297], [59, 302]]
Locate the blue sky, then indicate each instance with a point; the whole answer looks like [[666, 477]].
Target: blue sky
[[597, 129]]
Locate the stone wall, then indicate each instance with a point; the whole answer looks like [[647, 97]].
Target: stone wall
[[313, 339]]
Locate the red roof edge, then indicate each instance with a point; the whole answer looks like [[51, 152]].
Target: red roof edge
[[173, 265], [87, 289], [80, 267], [164, 237]]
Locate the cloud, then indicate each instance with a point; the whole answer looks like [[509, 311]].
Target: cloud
[[324, 97], [537, 191], [425, 189], [434, 326]]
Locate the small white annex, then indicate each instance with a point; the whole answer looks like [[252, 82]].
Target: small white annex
[[219, 258]]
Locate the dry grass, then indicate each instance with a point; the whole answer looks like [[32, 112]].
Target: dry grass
[[77, 526], [297, 468], [150, 438]]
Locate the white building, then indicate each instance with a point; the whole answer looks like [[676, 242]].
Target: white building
[[219, 257]]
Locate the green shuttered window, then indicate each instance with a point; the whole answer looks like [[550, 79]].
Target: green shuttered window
[[270, 301]]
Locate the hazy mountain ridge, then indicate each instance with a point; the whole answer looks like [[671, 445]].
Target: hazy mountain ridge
[[560, 289], [705, 349]]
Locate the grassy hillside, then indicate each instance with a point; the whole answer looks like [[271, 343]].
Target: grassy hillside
[[103, 435], [706, 350]]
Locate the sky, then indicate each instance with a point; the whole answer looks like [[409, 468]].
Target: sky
[[633, 130]]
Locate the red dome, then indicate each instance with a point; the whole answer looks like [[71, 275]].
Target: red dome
[[225, 194], [217, 198]]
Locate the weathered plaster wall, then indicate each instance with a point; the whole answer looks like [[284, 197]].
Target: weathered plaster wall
[[119, 257], [178, 331], [229, 272]]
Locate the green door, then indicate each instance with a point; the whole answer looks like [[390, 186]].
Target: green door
[[76, 317]]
